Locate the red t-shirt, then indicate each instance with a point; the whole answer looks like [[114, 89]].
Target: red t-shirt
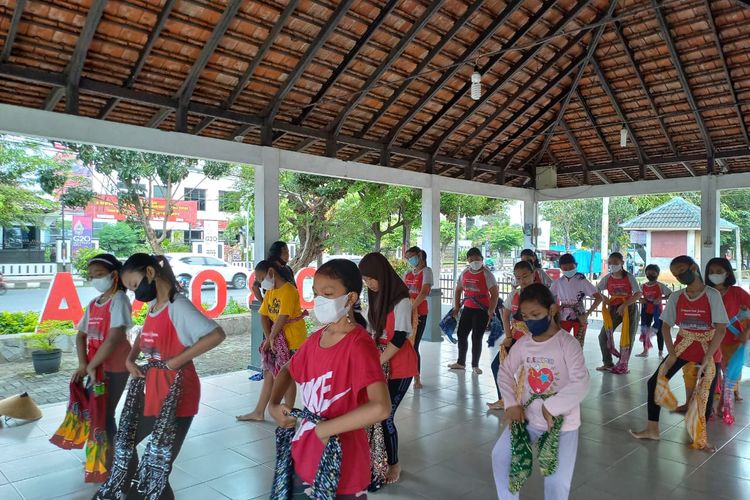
[[477, 288], [160, 342], [694, 315], [333, 381], [734, 299], [619, 287], [518, 327], [654, 294], [97, 322], [415, 282], [404, 362]]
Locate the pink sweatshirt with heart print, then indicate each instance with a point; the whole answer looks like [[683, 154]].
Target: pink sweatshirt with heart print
[[555, 366]]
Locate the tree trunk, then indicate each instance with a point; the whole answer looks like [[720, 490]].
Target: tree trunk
[[145, 221], [407, 236], [378, 236]]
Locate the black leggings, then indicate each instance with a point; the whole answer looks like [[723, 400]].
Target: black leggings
[[397, 388], [472, 321], [145, 426], [421, 325], [116, 382], [654, 409], [496, 368], [647, 320]]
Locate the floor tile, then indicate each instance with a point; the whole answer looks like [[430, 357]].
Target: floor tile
[[8, 492], [243, 484], [201, 491], [215, 465]]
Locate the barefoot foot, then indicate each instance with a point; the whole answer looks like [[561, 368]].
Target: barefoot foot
[[393, 474], [644, 354], [496, 406], [477, 371], [646, 434], [251, 417], [456, 366], [681, 409], [418, 384]]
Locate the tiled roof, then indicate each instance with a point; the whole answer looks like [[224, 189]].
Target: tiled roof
[[677, 213]]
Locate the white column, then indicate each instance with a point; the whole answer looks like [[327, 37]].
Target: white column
[[266, 202], [431, 245], [738, 254], [530, 222], [710, 240]]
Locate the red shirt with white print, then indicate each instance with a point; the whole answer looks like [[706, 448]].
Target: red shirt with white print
[[700, 314], [98, 320], [333, 381], [167, 333], [404, 362], [415, 280], [654, 292], [734, 300], [476, 287]]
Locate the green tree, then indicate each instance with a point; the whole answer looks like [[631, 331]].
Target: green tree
[[29, 176], [118, 239], [386, 209], [134, 170], [461, 205]]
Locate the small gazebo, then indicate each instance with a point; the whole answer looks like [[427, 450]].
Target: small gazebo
[[673, 229]]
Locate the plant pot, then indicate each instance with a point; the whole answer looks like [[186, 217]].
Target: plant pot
[[47, 361]]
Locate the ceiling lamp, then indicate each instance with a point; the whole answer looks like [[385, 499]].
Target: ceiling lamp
[[476, 84], [623, 137]]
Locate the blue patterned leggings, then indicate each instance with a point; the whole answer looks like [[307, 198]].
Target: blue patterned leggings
[[397, 388]]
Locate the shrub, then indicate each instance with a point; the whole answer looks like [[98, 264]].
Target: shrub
[[47, 333], [17, 322], [234, 307], [82, 258], [140, 316]]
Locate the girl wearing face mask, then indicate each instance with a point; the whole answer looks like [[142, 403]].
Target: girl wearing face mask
[[284, 329], [477, 291], [389, 321], [278, 253], [546, 368], [623, 292], [653, 295], [570, 289], [174, 333], [339, 371], [102, 343], [419, 280], [699, 313], [736, 301], [540, 275]]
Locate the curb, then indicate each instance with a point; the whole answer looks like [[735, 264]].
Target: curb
[[28, 285]]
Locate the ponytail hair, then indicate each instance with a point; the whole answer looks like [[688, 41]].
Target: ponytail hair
[[531, 253], [139, 262]]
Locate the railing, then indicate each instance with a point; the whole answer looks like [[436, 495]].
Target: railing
[[29, 269]]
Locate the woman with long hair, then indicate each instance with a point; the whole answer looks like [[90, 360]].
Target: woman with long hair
[[540, 275], [389, 321]]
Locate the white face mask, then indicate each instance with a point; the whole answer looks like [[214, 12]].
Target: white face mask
[[329, 311], [103, 284], [476, 265], [718, 279], [571, 273], [267, 283], [615, 268]]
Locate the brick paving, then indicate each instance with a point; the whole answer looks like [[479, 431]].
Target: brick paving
[[230, 356]]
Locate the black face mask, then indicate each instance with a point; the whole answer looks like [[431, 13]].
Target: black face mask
[[651, 277], [146, 292], [687, 277]]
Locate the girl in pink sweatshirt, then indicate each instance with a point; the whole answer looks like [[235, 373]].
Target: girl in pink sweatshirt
[[543, 381]]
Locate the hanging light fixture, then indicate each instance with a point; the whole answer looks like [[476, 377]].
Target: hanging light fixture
[[476, 84], [623, 137]]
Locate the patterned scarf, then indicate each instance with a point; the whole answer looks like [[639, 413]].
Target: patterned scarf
[[155, 466], [326, 481], [275, 358], [521, 455], [376, 441]]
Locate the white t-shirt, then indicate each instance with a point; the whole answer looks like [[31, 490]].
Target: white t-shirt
[[570, 293], [699, 320], [119, 313], [190, 323], [401, 317]]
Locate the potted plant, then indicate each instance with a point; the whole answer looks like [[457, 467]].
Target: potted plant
[[45, 354]]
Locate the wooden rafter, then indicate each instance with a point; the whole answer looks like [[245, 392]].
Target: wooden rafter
[[10, 38], [590, 117]]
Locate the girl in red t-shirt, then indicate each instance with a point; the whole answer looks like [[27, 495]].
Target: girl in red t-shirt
[[419, 279], [389, 318], [699, 313], [174, 332], [719, 274], [341, 379], [102, 344]]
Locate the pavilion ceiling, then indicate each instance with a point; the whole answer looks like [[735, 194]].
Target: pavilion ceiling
[[387, 82]]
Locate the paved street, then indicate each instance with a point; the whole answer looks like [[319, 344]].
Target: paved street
[[33, 299]]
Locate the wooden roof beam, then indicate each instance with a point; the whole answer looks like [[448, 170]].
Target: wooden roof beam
[[350, 56], [10, 38], [664, 28], [727, 74], [577, 148], [593, 44], [486, 94], [690, 169], [460, 23], [467, 54], [185, 92], [153, 35], [250, 70], [522, 89], [392, 56], [642, 82], [75, 65], [592, 120], [272, 108]]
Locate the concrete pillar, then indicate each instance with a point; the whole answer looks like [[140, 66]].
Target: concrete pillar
[[710, 209], [530, 222], [738, 255], [266, 232], [431, 245]]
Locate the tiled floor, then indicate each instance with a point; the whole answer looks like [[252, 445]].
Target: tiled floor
[[446, 437]]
